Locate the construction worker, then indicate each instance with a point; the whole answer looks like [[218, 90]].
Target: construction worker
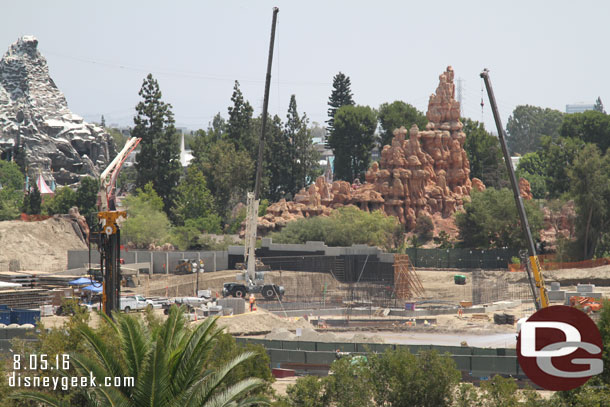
[[252, 302]]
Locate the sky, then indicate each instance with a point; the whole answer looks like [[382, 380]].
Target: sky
[[541, 53]]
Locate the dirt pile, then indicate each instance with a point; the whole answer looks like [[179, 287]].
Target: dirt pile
[[38, 246], [259, 321]]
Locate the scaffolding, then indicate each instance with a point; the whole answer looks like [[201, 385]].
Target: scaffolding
[[407, 284]]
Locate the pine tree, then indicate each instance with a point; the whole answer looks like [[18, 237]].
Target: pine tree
[[239, 126], [32, 201], [159, 158], [340, 96], [352, 141], [599, 106], [103, 122], [302, 153]]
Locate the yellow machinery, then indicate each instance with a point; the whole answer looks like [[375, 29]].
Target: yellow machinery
[[534, 271]]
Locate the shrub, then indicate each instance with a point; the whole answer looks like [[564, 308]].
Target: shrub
[[424, 228]]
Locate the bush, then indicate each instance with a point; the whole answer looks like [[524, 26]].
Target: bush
[[424, 228], [146, 222], [490, 220], [344, 227]]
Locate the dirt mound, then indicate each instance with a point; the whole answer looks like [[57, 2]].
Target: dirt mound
[[38, 246], [258, 322]]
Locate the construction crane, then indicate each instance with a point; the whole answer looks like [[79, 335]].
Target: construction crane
[[534, 271], [254, 282], [110, 235]]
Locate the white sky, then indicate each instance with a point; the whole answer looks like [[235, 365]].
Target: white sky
[[539, 52]]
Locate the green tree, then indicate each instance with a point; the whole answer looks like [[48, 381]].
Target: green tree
[[86, 199], [61, 202], [340, 96], [146, 222], [349, 384], [500, 392], [557, 155], [603, 323], [119, 138], [32, 201], [193, 199], [396, 114], [11, 190], [590, 187], [228, 173], [344, 227], [424, 228], [490, 220], [402, 379], [159, 158], [277, 163], [308, 391], [169, 365], [239, 125], [528, 124], [352, 140], [10, 175], [599, 106], [484, 154], [591, 127], [303, 157], [532, 168]]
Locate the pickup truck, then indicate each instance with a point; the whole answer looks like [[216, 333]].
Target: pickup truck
[[134, 302]]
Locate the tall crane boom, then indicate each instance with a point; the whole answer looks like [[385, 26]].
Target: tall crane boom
[[541, 300]]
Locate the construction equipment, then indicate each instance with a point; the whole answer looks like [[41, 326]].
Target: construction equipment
[[253, 281], [532, 266], [587, 304], [110, 234]]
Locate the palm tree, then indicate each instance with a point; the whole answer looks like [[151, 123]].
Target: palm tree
[[168, 365]]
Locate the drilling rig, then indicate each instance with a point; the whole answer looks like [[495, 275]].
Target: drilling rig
[[110, 234]]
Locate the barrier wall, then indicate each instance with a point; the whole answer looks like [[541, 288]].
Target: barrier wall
[[478, 362], [214, 260]]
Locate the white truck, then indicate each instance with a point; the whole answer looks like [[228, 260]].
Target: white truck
[[134, 303]]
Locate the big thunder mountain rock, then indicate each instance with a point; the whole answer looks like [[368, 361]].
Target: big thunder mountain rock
[[34, 114], [421, 172]]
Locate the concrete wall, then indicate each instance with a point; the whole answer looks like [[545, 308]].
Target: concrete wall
[[214, 260]]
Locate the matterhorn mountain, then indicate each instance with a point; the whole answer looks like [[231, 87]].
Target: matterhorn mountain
[[34, 114]]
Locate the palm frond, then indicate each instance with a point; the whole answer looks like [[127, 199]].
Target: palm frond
[[173, 329], [134, 344], [85, 366], [102, 352], [39, 397], [152, 385], [207, 388], [188, 365], [231, 395]]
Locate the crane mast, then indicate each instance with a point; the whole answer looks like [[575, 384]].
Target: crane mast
[[541, 299]]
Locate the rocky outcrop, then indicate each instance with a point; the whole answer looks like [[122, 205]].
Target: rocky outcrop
[[34, 114], [525, 189], [558, 223], [422, 172]]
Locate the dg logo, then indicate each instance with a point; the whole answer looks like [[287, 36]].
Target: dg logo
[[560, 348]]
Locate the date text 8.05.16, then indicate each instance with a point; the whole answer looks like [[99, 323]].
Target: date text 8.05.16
[[41, 362]]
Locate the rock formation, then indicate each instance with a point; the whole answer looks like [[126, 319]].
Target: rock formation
[[34, 114], [422, 172], [525, 189]]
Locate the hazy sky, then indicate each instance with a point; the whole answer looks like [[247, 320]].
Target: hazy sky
[[545, 53]]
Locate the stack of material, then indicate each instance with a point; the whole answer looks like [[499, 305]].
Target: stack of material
[[25, 298], [23, 278], [238, 305]]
